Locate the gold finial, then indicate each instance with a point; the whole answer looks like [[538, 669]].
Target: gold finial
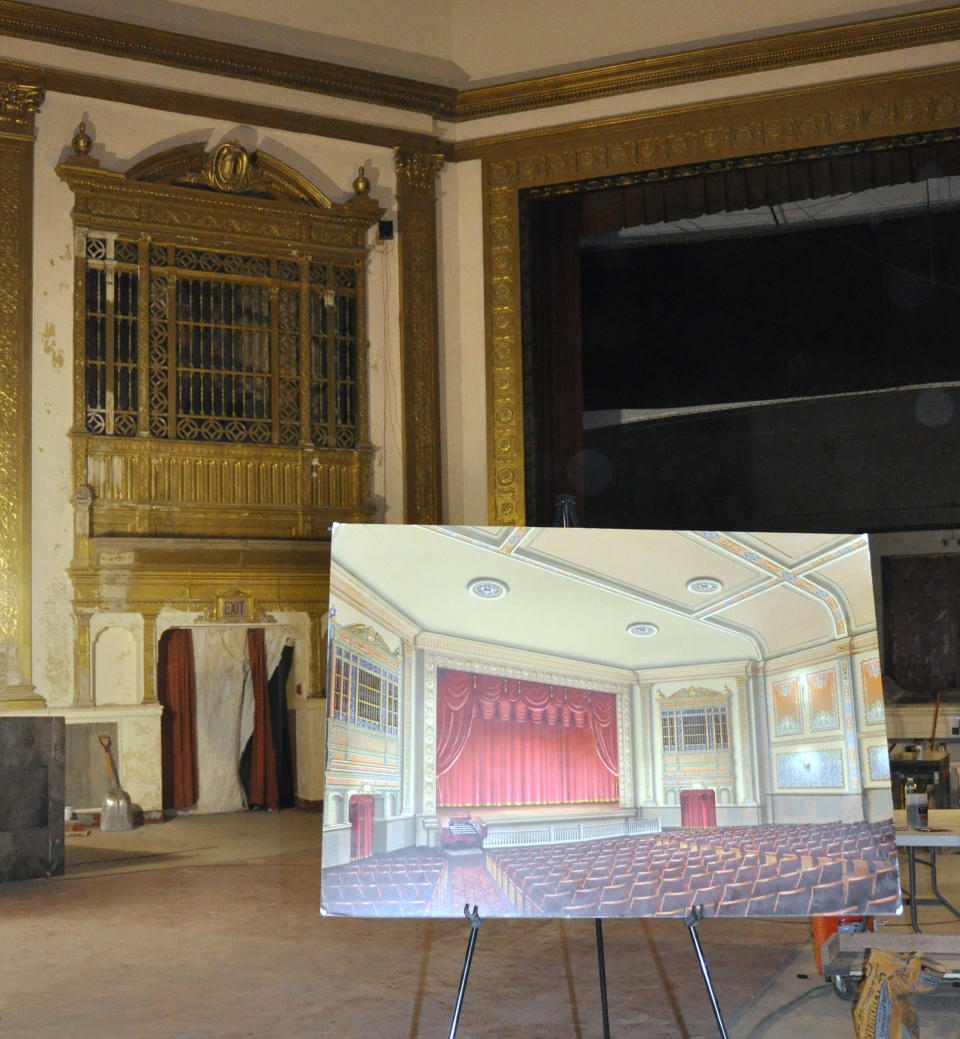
[[361, 185], [82, 141]]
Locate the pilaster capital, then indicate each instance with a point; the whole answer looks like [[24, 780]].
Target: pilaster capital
[[19, 103]]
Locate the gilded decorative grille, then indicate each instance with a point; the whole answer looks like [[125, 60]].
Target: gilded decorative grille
[[365, 692], [695, 728], [222, 334], [111, 337]]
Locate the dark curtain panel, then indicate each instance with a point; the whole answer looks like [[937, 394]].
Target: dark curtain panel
[[554, 389], [177, 691], [685, 197], [282, 736], [263, 791], [921, 623], [280, 727], [554, 459]]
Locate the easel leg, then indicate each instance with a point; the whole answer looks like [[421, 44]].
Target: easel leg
[[474, 920], [603, 979], [691, 920]]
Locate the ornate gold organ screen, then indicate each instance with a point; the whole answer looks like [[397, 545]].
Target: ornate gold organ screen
[[220, 344]]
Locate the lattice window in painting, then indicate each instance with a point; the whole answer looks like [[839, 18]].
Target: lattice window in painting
[[222, 333], [111, 321], [365, 691], [669, 723], [695, 728]]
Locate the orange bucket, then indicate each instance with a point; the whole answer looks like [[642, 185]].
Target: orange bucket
[[824, 926]]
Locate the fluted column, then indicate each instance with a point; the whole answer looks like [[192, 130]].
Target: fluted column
[[19, 103], [419, 333]]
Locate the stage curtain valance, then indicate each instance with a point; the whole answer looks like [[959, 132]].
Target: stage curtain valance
[[507, 741]]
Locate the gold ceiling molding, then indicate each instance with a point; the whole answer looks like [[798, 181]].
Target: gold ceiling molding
[[766, 54], [839, 118], [83, 85], [177, 50]]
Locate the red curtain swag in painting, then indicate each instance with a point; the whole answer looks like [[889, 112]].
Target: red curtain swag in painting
[[512, 742]]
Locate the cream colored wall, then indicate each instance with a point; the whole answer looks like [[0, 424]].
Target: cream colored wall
[[462, 369], [124, 134]]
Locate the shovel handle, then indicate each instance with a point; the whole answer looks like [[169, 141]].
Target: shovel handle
[[105, 743]]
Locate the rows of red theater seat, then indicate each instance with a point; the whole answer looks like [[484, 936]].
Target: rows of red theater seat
[[797, 870], [392, 885]]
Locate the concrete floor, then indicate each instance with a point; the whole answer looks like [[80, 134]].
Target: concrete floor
[[209, 926]]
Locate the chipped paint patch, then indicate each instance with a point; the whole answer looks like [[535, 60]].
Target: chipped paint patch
[[48, 338]]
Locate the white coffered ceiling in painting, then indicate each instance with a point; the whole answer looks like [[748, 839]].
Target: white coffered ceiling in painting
[[575, 592]]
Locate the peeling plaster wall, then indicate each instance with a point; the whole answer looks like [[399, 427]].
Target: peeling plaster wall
[[124, 134]]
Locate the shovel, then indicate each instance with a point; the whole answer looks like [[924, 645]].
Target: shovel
[[116, 813]]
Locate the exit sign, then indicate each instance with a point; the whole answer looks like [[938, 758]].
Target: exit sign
[[234, 607]]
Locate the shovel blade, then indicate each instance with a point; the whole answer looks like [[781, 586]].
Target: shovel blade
[[116, 813]]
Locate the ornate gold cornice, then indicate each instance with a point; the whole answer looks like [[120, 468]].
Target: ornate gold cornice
[[83, 85], [839, 118], [177, 50], [766, 54], [730, 59], [830, 113]]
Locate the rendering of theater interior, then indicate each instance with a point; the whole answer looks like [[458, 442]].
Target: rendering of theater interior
[[572, 722]]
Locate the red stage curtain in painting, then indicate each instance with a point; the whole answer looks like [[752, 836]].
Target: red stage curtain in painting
[[263, 766], [512, 742], [177, 691]]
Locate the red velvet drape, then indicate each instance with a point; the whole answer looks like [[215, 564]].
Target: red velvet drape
[[698, 808], [263, 765], [177, 691], [361, 826], [512, 742]]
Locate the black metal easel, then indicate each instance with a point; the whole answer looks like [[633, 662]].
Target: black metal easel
[[474, 920], [693, 917], [565, 515]]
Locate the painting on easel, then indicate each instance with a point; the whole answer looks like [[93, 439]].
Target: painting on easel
[[573, 722]]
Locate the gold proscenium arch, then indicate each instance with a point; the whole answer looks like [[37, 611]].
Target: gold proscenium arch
[[875, 112]]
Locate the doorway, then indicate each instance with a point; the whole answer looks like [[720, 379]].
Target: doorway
[[225, 742]]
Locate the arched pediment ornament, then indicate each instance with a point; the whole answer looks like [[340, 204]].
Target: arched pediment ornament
[[701, 695], [369, 635], [229, 169]]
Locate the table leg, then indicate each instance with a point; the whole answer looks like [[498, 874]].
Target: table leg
[[912, 873], [933, 882]]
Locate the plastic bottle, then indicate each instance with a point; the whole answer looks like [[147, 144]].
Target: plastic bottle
[[916, 804]]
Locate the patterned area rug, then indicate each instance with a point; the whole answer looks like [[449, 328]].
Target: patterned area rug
[[474, 884]]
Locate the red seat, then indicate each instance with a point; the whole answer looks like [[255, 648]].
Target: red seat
[[762, 905], [792, 903]]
